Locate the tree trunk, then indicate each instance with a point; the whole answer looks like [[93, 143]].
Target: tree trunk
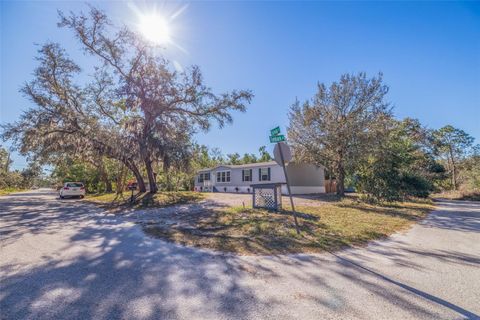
[[138, 176], [454, 171], [166, 171], [7, 164], [108, 185], [340, 180], [151, 175], [104, 176], [177, 182], [120, 183]]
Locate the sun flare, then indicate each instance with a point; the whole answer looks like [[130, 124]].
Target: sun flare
[[155, 29]]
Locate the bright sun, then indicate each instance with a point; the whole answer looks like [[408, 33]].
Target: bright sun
[[155, 29]]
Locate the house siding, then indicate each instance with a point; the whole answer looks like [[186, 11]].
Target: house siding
[[304, 178]]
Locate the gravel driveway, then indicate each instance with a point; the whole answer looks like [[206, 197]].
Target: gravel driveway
[[70, 260]]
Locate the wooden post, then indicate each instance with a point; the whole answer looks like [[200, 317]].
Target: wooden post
[[288, 188]]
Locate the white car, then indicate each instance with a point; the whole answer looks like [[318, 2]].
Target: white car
[[72, 189]]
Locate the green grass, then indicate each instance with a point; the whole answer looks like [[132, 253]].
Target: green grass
[[145, 200], [328, 226], [9, 190]]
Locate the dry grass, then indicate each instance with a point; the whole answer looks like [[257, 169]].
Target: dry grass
[[328, 226], [9, 190], [145, 200], [472, 195]]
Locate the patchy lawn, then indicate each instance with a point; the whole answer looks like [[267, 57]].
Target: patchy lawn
[[330, 225], [146, 200]]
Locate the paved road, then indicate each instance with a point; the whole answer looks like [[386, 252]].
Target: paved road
[[69, 260]]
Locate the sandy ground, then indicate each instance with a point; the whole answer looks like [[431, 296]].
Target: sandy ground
[[238, 199], [71, 260]]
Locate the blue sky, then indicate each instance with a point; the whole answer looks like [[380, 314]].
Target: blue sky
[[429, 53]]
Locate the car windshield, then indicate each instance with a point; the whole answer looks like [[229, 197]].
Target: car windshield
[[74, 185]]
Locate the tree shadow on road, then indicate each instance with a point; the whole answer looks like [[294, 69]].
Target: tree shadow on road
[[126, 275], [466, 216], [108, 269]]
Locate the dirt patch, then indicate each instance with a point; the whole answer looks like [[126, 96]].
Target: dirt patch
[[243, 199]]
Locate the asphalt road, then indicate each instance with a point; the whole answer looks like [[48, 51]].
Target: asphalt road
[[69, 260]]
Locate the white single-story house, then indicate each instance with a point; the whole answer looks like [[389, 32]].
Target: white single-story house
[[304, 178]]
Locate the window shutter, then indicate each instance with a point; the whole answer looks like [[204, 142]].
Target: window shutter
[[251, 175], [243, 175], [269, 174], [259, 174]]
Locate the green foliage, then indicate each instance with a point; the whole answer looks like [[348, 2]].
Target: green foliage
[[11, 180], [452, 145], [31, 176], [5, 160], [449, 139], [469, 171], [413, 184], [399, 165], [98, 177], [81, 171], [264, 155], [249, 158], [234, 158], [337, 126]]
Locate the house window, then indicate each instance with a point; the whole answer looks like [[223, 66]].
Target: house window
[[223, 176], [247, 175], [203, 177], [264, 174]]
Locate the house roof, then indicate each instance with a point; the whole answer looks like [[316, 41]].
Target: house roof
[[239, 166]]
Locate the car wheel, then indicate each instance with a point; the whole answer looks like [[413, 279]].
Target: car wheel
[[81, 197]]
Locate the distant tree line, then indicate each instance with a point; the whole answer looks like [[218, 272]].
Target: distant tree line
[[27, 178], [349, 128]]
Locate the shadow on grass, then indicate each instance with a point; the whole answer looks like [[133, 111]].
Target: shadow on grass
[[254, 232], [147, 200], [303, 215], [392, 210], [324, 197]]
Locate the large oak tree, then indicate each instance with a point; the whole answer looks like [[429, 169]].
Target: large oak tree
[[335, 127], [135, 108]]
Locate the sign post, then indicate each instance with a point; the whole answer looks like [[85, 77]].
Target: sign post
[[132, 186], [282, 154]]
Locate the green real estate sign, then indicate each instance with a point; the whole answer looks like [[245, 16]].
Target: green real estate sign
[[277, 138], [275, 131]]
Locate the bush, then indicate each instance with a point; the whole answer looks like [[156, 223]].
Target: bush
[[414, 185], [383, 181]]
